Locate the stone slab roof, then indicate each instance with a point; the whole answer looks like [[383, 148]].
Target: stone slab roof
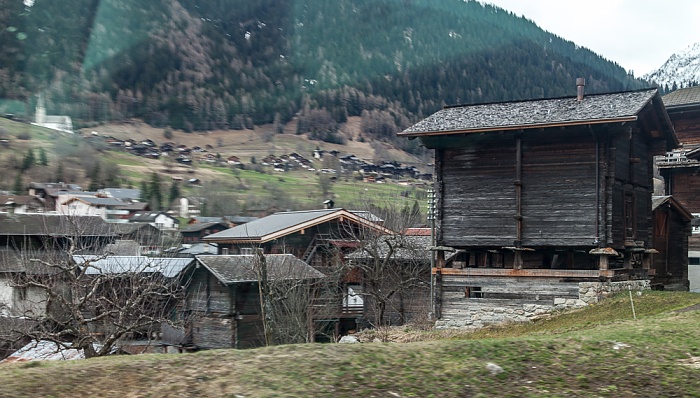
[[596, 108], [242, 268], [683, 96]]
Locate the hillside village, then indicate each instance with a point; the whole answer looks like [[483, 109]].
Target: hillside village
[[549, 204]]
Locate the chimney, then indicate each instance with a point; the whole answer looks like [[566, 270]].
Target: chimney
[[580, 84], [329, 203]]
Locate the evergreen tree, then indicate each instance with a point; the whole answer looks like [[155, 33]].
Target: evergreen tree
[[174, 192], [145, 195], [155, 192], [28, 160], [59, 177], [43, 160], [18, 187]]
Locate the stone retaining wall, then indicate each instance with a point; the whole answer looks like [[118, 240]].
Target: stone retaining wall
[[479, 312]]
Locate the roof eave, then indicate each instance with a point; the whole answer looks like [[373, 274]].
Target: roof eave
[[520, 127]]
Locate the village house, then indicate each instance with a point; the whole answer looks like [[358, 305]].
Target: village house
[[223, 303], [47, 238], [319, 238], [164, 275], [49, 192], [21, 204], [542, 200], [680, 168], [158, 219]]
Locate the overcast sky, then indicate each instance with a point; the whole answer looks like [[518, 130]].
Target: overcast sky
[[639, 35]]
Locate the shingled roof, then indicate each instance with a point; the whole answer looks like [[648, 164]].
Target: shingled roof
[[683, 97], [242, 268], [515, 115]]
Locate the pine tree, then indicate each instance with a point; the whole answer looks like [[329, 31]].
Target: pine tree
[[43, 160], [174, 192], [156, 195], [58, 177], [17, 188], [29, 160]]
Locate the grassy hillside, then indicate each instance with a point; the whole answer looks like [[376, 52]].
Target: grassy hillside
[[78, 155], [597, 351]]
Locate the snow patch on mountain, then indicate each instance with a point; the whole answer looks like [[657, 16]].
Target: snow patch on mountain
[[682, 68]]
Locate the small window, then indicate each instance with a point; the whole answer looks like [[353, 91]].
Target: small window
[[247, 250], [693, 260], [473, 292], [21, 293], [224, 251]]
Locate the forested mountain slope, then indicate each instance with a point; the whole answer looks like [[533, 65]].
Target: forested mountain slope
[[213, 64]]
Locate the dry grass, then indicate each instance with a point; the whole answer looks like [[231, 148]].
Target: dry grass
[[599, 356]]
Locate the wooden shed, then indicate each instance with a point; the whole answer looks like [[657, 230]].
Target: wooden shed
[[557, 189], [222, 307], [670, 238]]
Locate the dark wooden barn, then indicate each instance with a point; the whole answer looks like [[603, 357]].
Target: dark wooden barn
[[680, 168], [222, 307], [670, 239], [553, 189]]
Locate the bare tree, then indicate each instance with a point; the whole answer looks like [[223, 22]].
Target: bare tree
[[287, 290], [93, 302], [394, 268]]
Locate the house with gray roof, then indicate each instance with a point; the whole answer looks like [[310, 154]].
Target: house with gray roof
[[534, 193], [306, 234], [224, 300]]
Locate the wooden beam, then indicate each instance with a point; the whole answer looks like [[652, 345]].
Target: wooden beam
[[538, 273]]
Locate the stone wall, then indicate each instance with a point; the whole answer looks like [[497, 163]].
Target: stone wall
[[524, 300]]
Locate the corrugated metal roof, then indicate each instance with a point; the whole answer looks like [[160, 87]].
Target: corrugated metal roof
[[242, 268], [270, 224], [534, 113], [168, 267], [683, 96], [44, 350]]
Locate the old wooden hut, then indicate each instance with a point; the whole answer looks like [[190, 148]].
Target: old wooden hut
[[222, 307], [540, 195], [670, 239], [680, 168]]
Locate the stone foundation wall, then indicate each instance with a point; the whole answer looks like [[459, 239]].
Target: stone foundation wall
[[593, 292], [461, 312]]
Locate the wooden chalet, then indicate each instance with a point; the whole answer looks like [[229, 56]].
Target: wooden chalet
[[222, 306], [305, 234], [680, 168], [320, 238], [535, 193]]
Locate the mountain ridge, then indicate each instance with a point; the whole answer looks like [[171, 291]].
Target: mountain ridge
[[682, 69], [233, 64]]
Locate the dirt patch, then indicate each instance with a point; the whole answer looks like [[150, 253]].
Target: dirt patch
[[695, 307]]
